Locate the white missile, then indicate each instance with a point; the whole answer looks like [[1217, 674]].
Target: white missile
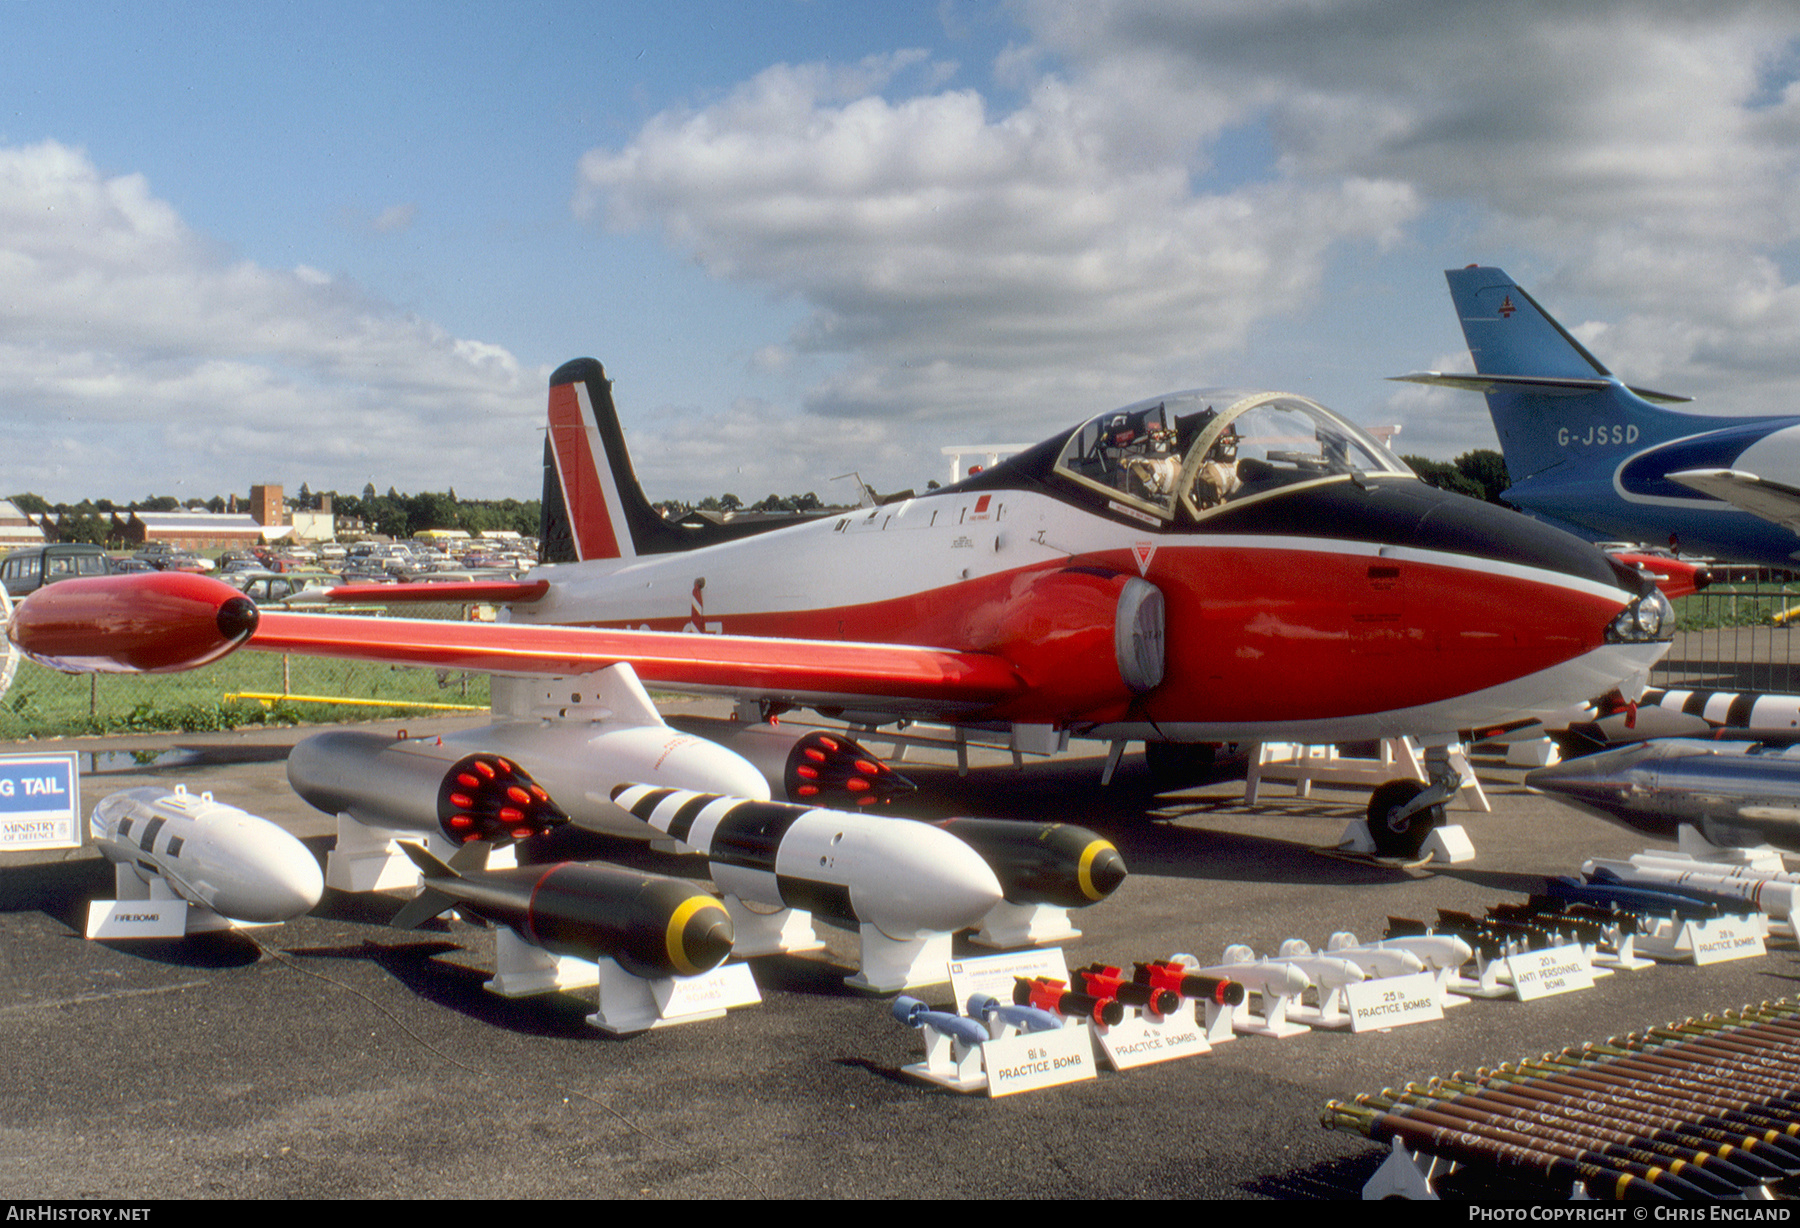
[[1261, 975], [1329, 972], [1373, 958], [1719, 869], [1777, 899], [1278, 985], [1438, 951], [205, 852]]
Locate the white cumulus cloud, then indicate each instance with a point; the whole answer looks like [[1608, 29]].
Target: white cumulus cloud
[[1175, 182], [137, 354], [1024, 266]]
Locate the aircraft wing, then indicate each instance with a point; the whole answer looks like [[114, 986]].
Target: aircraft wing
[[1470, 382], [160, 622], [508, 592], [727, 663], [1745, 491]]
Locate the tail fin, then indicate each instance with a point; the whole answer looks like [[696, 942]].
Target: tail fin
[[594, 507], [1509, 334], [430, 901], [1546, 393]]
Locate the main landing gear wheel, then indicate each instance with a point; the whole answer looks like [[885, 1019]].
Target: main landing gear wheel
[[1394, 834]]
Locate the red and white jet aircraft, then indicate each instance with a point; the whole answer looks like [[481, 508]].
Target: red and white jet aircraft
[[1202, 567]]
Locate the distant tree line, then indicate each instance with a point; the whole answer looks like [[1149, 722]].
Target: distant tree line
[[1480, 474], [390, 515], [674, 509], [397, 515]]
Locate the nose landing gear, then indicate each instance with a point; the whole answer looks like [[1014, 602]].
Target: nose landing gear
[[1402, 813]]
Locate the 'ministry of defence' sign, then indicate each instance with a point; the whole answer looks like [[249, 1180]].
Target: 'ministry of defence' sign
[[40, 799]]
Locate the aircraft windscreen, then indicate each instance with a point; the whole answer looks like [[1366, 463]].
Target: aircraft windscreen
[[1203, 450], [1273, 440], [1133, 453]]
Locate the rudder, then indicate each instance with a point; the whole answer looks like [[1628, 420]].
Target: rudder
[[593, 506], [1510, 334]]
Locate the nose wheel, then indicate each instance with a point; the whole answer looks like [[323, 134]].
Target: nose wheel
[[1402, 813]]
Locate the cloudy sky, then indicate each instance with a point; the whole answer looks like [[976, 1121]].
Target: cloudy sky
[[347, 243]]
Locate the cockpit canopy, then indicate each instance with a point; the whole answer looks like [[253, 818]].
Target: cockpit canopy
[[1196, 451]]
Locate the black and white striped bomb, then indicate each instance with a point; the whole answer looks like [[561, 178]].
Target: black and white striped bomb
[[907, 879]]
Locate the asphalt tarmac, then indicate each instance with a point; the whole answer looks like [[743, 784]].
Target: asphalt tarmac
[[336, 1057]]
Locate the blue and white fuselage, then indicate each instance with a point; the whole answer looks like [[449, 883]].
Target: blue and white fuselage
[[1589, 453]]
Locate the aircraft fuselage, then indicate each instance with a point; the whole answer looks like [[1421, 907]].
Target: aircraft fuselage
[[1360, 608]]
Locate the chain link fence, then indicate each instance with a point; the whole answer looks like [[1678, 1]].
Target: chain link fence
[[246, 688], [1740, 634]]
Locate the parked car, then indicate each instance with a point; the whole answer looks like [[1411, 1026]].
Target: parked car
[[164, 557], [27, 570], [275, 588]]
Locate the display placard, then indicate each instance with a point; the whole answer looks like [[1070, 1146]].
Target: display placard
[[994, 975], [1393, 1002], [1554, 970], [1725, 938], [722, 988], [158, 918], [40, 799], [1038, 1059], [1143, 1039]]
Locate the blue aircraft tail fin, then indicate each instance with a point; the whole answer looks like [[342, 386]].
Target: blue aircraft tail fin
[[1509, 334], [1550, 399]]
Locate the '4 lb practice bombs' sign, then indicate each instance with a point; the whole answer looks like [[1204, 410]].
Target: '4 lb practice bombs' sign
[[40, 796]]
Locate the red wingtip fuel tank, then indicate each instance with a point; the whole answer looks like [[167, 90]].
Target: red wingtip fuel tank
[[146, 623]]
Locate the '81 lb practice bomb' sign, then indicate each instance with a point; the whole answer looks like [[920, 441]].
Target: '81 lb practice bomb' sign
[[40, 797]]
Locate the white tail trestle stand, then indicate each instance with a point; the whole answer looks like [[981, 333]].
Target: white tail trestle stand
[[1304, 766], [626, 1002]]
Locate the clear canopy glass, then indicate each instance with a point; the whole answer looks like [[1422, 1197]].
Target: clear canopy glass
[[1197, 451]]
